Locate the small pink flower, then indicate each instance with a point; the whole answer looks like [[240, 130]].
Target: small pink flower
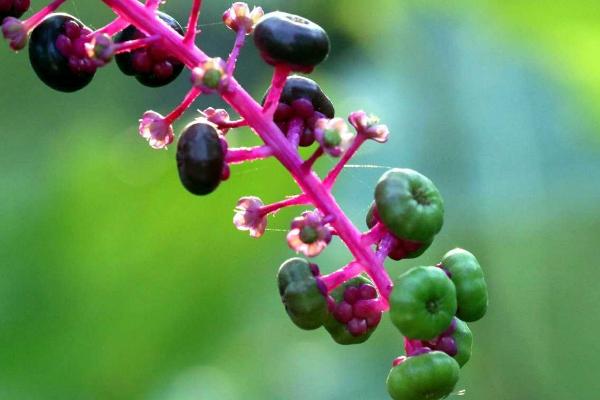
[[248, 216], [14, 30], [239, 16], [210, 74], [156, 130], [333, 135], [217, 116], [369, 126], [309, 234]]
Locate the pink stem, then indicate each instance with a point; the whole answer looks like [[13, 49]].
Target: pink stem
[[192, 30], [232, 124], [153, 4], [374, 235], [294, 131], [297, 200], [262, 124], [243, 154], [342, 275], [112, 28], [189, 98], [240, 39], [335, 171], [134, 44], [386, 245], [310, 162], [33, 21], [280, 75]]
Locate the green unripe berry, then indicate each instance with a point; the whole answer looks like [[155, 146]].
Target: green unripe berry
[[429, 376], [409, 205], [423, 302], [471, 288], [303, 300], [464, 342]]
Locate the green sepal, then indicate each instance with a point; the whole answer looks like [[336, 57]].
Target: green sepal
[[471, 288], [429, 376], [423, 302], [303, 300]]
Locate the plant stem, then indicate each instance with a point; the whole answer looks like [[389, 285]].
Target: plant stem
[[191, 31], [342, 275], [297, 200], [189, 98], [252, 112], [243, 154]]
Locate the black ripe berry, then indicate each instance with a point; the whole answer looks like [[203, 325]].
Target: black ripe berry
[[13, 8], [298, 87], [152, 65], [200, 158], [57, 53], [287, 39]]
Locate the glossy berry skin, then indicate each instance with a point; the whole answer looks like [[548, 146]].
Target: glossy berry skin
[[409, 205], [152, 66], [50, 65], [301, 293], [471, 288], [348, 321], [302, 98], [200, 158], [429, 376], [422, 303], [13, 8], [299, 87], [404, 249], [287, 39]]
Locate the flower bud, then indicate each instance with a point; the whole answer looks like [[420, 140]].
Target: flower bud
[[239, 16], [369, 126], [14, 30], [210, 74], [156, 130]]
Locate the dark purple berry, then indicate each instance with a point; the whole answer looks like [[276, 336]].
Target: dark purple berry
[[200, 158], [287, 39], [367, 292], [13, 8], [352, 294], [299, 87], [343, 312], [152, 65], [357, 327], [54, 57], [447, 345]]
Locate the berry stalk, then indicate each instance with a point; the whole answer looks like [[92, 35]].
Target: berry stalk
[[283, 150]]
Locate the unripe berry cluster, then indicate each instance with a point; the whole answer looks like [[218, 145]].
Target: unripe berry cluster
[[429, 305]]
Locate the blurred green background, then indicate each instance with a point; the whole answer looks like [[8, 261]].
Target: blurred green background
[[115, 283]]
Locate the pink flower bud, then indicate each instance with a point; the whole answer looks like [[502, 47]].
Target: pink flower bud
[[239, 16], [156, 130], [248, 216], [101, 49], [14, 30], [209, 75], [369, 126], [333, 135], [309, 234]]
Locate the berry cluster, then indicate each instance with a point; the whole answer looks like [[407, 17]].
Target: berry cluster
[[429, 305]]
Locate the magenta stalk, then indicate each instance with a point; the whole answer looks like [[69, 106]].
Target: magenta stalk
[[189, 98], [344, 274], [244, 154], [33, 21], [262, 124], [191, 31]]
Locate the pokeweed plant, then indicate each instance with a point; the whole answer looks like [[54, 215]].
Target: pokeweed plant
[[429, 305]]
